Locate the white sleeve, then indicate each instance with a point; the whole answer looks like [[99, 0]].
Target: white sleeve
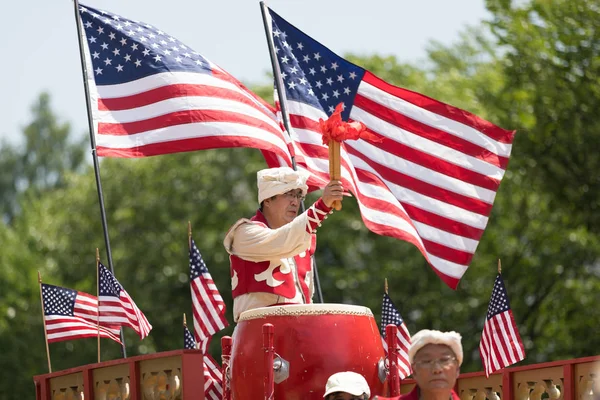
[[256, 242]]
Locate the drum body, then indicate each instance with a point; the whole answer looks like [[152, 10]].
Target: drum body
[[317, 340]]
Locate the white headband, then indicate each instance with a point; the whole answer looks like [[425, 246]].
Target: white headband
[[274, 181]]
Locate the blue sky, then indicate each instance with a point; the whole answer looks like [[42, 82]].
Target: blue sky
[[38, 40]]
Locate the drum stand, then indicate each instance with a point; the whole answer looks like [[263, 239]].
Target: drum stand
[[226, 344], [391, 332]]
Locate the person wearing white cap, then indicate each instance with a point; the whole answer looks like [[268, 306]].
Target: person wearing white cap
[[435, 358], [270, 254], [347, 386]]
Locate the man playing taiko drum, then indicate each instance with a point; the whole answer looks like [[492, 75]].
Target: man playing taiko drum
[[270, 254]]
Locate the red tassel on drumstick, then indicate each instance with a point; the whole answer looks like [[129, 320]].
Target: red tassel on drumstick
[[334, 132]]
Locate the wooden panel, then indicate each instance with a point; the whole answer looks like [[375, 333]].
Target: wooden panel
[[477, 387], [66, 387], [587, 381], [112, 382], [161, 378]]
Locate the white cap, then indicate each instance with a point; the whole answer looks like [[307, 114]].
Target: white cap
[[423, 338], [347, 382], [274, 181]]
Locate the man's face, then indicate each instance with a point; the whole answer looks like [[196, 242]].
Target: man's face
[[435, 368], [343, 396], [284, 207]]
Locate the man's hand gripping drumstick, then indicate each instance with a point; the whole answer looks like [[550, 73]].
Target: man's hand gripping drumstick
[[334, 191]]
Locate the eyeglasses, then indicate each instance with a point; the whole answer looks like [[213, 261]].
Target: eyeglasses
[[293, 195], [443, 362]]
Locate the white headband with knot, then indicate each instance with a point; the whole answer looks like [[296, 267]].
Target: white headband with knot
[[423, 338], [274, 181]]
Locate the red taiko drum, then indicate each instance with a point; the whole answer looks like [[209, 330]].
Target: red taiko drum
[[317, 340]]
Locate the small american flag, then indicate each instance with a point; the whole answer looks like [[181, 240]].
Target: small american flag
[[432, 178], [152, 94], [391, 315], [207, 304], [117, 308], [500, 344], [70, 314]]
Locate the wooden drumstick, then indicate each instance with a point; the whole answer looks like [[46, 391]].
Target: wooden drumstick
[[335, 170]]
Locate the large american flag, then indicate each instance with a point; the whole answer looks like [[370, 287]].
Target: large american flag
[[391, 315], [116, 307], [151, 94], [70, 314], [500, 344], [207, 304], [431, 180]]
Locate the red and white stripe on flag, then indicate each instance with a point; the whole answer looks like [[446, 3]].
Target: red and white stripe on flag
[[122, 311], [149, 117], [213, 379]]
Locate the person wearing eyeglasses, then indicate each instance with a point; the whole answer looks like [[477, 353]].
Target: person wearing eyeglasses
[[270, 253], [347, 386], [435, 358]]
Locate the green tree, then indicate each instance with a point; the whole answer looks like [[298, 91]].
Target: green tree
[[41, 161], [552, 67], [551, 60]]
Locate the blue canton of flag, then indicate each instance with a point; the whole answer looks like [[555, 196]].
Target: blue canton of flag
[[58, 300], [188, 339], [124, 50], [311, 72], [391, 315]]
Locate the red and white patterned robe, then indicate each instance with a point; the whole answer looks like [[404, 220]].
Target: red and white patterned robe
[[273, 266]]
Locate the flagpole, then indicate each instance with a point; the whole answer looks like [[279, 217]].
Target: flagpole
[[385, 286], [44, 323], [95, 156], [92, 138], [190, 249], [98, 297], [286, 120], [499, 267]]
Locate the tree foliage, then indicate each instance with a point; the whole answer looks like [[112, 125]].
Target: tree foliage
[[533, 68], [41, 161]]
